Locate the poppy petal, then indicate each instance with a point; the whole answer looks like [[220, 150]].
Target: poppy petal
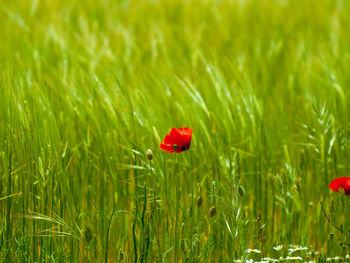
[[180, 137], [341, 182], [168, 139], [186, 130], [167, 147], [186, 135], [176, 135]]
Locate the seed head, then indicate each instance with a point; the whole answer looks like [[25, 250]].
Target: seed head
[[199, 201], [149, 154], [212, 211], [241, 191], [88, 234], [121, 255]]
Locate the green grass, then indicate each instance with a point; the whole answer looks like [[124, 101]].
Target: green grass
[[86, 87]]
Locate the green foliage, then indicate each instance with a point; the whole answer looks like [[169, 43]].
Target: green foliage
[[86, 87]]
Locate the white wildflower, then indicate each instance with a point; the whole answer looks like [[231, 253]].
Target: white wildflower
[[278, 248], [293, 258], [257, 251], [270, 259], [295, 248]]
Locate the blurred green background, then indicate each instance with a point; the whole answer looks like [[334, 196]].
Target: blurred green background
[[86, 87]]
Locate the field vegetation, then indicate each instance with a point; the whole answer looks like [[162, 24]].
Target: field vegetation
[[87, 87]]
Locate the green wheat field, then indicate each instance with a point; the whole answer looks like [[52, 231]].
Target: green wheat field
[[87, 87]]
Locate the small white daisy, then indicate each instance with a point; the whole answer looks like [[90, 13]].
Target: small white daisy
[[293, 258], [257, 251], [278, 248]]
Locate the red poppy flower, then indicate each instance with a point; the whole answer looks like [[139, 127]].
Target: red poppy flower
[[178, 140], [341, 182]]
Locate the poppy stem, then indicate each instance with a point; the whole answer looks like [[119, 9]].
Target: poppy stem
[[177, 209], [340, 229]]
